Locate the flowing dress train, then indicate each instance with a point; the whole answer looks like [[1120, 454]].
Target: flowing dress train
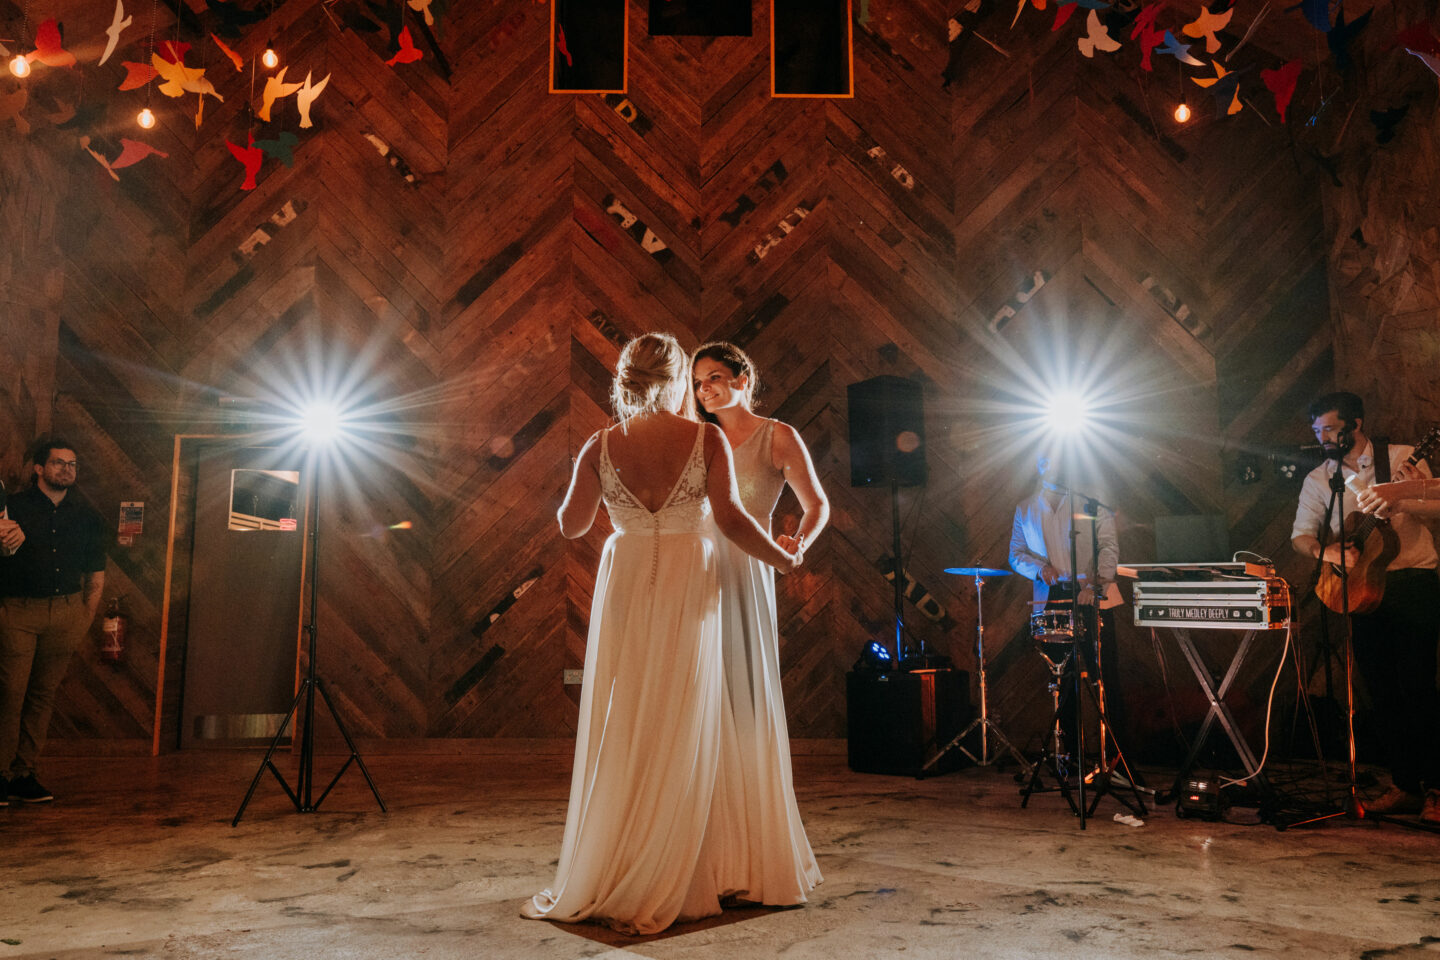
[[647, 743]]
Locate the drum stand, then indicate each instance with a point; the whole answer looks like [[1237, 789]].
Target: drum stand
[[983, 721], [1052, 760]]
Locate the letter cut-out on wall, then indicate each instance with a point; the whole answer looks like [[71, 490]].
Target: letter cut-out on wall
[[588, 46], [700, 18], [812, 49]]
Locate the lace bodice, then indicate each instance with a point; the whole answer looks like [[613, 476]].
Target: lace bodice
[[684, 510]]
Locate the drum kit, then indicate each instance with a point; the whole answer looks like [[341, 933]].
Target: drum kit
[[1054, 630]]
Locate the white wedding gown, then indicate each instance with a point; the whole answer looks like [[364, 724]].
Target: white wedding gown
[[766, 857], [637, 853]]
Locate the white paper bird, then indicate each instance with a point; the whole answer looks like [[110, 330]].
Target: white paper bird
[[117, 27], [1096, 38], [306, 95]]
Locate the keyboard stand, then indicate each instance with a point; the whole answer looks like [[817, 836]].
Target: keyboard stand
[[1218, 708]]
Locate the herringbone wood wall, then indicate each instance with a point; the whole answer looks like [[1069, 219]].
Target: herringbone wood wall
[[487, 269]]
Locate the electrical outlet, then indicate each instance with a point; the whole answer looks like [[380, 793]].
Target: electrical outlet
[[574, 676]]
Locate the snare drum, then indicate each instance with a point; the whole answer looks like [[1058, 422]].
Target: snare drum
[[1052, 626]]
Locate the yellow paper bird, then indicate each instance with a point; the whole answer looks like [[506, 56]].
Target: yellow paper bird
[[275, 88], [306, 95], [1207, 25], [180, 79]]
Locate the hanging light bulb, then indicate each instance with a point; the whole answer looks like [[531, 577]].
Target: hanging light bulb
[[20, 66], [1182, 113], [270, 58], [146, 119]]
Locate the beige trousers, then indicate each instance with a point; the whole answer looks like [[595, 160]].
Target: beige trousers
[[37, 639]]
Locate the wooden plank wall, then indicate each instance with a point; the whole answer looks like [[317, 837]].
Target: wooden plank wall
[[476, 252]]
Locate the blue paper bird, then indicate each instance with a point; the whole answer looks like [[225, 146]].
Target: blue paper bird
[[1343, 34], [1317, 12], [1180, 51]]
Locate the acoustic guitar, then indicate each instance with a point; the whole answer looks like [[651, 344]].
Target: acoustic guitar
[[1378, 544]]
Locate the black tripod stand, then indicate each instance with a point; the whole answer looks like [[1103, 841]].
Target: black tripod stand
[[302, 794]]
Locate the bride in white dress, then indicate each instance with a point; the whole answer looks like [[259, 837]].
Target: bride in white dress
[[770, 860], [639, 851]]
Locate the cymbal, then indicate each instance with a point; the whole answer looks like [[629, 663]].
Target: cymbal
[[979, 571]]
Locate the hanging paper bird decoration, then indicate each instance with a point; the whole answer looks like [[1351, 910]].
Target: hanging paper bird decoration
[[49, 48], [1149, 40], [1096, 37], [136, 75], [275, 89], [306, 95], [1342, 34], [1146, 19], [423, 7], [235, 58], [1317, 12], [232, 18], [407, 52], [172, 51], [1225, 86], [1420, 41], [1207, 25], [85, 145], [112, 32], [132, 152], [1281, 83], [563, 47], [180, 79], [281, 148], [250, 157], [1062, 15], [1180, 51]]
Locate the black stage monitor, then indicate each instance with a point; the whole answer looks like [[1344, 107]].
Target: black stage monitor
[[887, 432]]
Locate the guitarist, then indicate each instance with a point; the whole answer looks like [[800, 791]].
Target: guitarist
[[1394, 644]]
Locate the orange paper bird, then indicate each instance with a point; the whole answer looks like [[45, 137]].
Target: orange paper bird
[[48, 49], [1282, 83], [173, 50], [423, 7], [1233, 85], [306, 95], [275, 88], [408, 53], [234, 57], [251, 157], [1206, 25], [112, 32], [132, 152], [180, 79], [137, 74], [1096, 37]]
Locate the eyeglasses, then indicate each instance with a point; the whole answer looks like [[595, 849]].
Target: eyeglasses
[[72, 464]]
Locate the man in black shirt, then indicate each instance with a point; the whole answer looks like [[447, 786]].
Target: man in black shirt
[[51, 589]]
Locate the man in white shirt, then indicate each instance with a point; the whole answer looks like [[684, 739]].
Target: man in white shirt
[[1040, 550], [1395, 644]]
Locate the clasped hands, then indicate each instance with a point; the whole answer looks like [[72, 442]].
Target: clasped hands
[[11, 536], [795, 546]]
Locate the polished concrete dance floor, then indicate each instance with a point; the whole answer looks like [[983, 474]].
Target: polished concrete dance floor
[[138, 858]]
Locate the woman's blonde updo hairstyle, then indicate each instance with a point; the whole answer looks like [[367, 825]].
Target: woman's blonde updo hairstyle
[[651, 377], [739, 364]]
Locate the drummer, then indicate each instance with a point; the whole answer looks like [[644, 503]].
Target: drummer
[[1040, 550]]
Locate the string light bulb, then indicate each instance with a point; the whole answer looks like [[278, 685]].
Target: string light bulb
[[146, 119], [20, 66], [270, 58], [1182, 113]]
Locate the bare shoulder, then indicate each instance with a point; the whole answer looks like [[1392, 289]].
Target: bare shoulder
[[787, 448]]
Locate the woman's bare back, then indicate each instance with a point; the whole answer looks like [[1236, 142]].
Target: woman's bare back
[[650, 454]]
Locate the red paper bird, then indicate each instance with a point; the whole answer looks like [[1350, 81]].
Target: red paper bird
[[407, 53], [1282, 83], [1062, 14], [48, 49], [173, 50], [564, 50], [1149, 40], [132, 152], [1145, 22], [1419, 38], [251, 156], [137, 74]]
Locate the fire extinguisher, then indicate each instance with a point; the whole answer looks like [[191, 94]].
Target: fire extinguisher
[[112, 642]]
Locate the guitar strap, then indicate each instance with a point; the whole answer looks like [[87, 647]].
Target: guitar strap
[[1380, 449]]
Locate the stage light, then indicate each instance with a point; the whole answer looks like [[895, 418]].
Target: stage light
[[1182, 113], [321, 423], [270, 58], [1067, 412], [146, 119], [20, 66]]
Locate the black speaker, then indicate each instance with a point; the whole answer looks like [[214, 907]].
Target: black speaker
[[887, 432], [896, 721]]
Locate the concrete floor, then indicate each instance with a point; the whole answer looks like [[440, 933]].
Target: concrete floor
[[138, 858]]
